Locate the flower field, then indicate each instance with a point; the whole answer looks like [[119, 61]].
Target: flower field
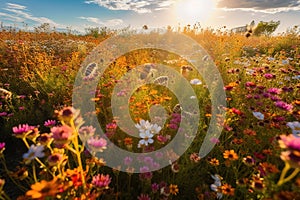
[[49, 148]]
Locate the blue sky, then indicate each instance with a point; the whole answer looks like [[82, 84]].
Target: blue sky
[[81, 14]]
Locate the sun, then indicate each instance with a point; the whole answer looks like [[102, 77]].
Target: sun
[[192, 11]]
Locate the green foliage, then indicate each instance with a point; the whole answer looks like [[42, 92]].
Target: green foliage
[[266, 28]]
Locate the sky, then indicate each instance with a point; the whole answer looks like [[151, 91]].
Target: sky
[[81, 14]]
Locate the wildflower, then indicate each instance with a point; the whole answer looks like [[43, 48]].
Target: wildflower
[[249, 161], [267, 168], [259, 115], [49, 123], [227, 189], [143, 126], [194, 157], [295, 126], [250, 84], [257, 182], [44, 139], [274, 91], [97, 144], [249, 132], [2, 114], [128, 142], [154, 187], [173, 189], [292, 144], [146, 138], [34, 152], [101, 181], [155, 129], [2, 147], [230, 154], [128, 160], [62, 134], [43, 189], [269, 76], [55, 159], [67, 113], [144, 197], [22, 130], [214, 162], [86, 131], [216, 185], [283, 105]]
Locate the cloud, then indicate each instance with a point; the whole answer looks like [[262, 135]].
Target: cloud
[[108, 23], [263, 6], [19, 13], [15, 6], [139, 6]]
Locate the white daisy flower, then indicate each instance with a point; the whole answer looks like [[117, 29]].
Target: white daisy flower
[[259, 115], [34, 152]]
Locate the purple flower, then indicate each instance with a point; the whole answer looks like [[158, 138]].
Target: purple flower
[[144, 169], [128, 160], [283, 105], [144, 197], [275, 98]]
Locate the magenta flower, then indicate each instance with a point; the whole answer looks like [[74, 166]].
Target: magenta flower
[[2, 146], [269, 76], [144, 197], [49, 123], [101, 181], [22, 130], [97, 144], [274, 90], [250, 84], [128, 160], [292, 145], [2, 114], [283, 105]]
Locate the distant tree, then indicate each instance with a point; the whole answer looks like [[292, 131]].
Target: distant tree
[[266, 28]]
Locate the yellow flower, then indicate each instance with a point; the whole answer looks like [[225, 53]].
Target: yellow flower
[[230, 154]]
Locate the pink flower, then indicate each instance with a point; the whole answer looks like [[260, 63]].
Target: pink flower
[[283, 105], [62, 134], [22, 130], [49, 123], [101, 181], [97, 144], [2, 146]]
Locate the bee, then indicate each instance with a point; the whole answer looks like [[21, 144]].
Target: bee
[[91, 70], [177, 108], [185, 69], [250, 29], [161, 80], [147, 71]]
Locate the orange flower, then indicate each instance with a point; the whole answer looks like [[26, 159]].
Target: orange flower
[[214, 162], [230, 154], [173, 189], [43, 189], [128, 141], [227, 189]]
